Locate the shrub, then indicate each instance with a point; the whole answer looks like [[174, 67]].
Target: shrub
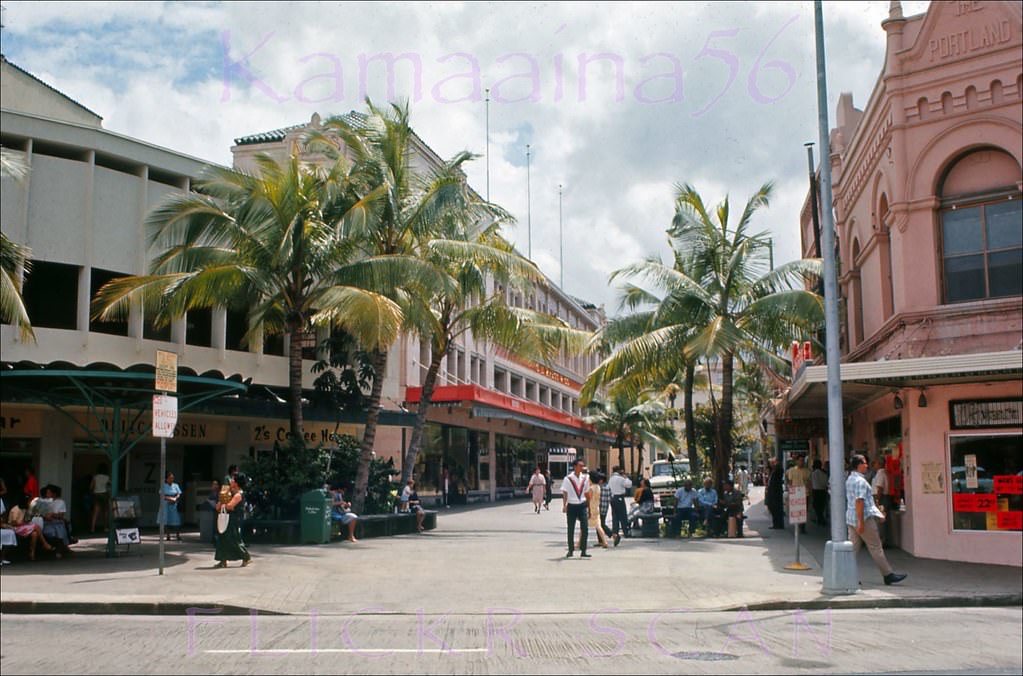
[[278, 479]]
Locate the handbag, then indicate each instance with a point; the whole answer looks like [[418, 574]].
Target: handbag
[[223, 518]]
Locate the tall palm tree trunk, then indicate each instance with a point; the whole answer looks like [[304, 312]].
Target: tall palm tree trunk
[[370, 433], [425, 396], [687, 406], [621, 451], [295, 381], [723, 456]]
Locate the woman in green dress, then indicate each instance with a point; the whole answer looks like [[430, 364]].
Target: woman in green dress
[[230, 546]]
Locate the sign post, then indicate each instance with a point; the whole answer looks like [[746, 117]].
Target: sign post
[[165, 417], [797, 516]]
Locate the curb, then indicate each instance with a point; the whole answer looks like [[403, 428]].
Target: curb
[[120, 608], [182, 609], [858, 602]]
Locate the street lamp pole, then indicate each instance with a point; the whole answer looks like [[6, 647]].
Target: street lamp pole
[[561, 240], [529, 209], [840, 574]]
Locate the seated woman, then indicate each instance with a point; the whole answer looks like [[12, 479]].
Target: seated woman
[[411, 498], [341, 511], [52, 508], [643, 503], [23, 527]]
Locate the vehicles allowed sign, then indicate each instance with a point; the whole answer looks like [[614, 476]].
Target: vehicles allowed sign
[[165, 415]]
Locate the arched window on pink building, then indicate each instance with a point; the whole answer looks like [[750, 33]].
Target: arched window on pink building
[[981, 228]]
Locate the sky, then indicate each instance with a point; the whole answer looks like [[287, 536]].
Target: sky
[[618, 102]]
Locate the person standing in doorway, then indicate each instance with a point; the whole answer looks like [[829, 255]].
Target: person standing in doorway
[[619, 486], [100, 488], [819, 485], [575, 493], [537, 487], [169, 516], [863, 518], [773, 497], [879, 488]]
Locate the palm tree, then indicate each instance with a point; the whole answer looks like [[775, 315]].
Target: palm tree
[[629, 417], [723, 303], [480, 262], [14, 258], [399, 211], [269, 243]]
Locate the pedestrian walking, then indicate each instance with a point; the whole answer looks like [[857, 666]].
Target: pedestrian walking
[[229, 545], [773, 496], [619, 486], [537, 486], [863, 518], [446, 485], [593, 507], [575, 493], [742, 480], [547, 489], [605, 503], [169, 516]]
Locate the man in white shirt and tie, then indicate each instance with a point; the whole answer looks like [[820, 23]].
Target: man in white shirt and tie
[[575, 492]]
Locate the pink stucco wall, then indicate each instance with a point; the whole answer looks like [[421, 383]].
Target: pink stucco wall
[[929, 520]]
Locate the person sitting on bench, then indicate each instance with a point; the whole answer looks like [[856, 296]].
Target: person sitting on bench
[[685, 508]]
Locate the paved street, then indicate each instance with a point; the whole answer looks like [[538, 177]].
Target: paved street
[[490, 591]]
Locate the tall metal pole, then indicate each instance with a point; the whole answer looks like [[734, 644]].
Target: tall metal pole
[[488, 143], [561, 240], [529, 209], [840, 574]]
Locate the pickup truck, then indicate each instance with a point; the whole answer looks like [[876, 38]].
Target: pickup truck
[[666, 476]]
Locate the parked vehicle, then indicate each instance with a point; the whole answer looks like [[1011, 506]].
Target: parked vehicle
[[666, 476]]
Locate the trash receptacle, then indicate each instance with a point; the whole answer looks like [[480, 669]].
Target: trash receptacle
[[314, 521], [205, 523]]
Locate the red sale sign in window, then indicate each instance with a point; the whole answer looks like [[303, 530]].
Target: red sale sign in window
[[974, 502], [1008, 484], [1010, 520]]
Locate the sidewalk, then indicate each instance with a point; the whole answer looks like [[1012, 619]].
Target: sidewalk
[[487, 557]]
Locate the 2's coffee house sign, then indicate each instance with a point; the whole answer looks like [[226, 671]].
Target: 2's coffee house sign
[[974, 414]]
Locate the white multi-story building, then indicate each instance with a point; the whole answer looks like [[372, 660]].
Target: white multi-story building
[[81, 211]]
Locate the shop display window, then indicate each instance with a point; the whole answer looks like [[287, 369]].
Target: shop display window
[[986, 482]]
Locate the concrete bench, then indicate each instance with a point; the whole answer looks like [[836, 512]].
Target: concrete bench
[[284, 531], [650, 525]]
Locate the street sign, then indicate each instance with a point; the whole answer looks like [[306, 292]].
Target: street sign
[[797, 504], [165, 415], [166, 371]]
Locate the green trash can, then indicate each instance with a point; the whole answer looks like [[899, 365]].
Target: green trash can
[[314, 520]]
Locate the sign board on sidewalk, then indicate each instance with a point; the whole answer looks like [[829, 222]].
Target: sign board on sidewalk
[[797, 504], [166, 371], [165, 415], [127, 536]]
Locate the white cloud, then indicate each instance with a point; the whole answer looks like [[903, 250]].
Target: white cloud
[[156, 71]]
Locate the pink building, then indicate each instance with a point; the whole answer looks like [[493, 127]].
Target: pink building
[[929, 222]]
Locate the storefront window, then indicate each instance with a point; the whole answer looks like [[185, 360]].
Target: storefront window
[[987, 482]]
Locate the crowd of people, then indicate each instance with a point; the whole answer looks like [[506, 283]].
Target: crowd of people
[[36, 518]]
